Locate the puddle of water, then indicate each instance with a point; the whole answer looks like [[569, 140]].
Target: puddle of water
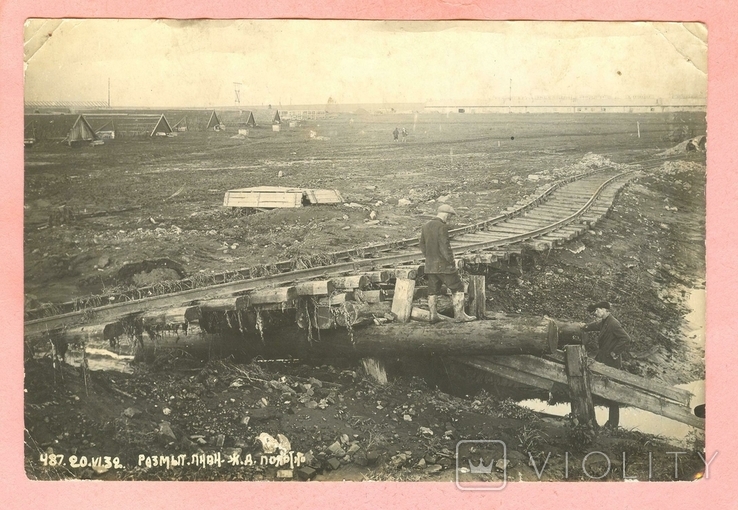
[[100, 359], [632, 418]]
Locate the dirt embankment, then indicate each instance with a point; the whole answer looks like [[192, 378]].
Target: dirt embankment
[[345, 426]]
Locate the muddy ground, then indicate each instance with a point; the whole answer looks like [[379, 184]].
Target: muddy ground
[[145, 200]]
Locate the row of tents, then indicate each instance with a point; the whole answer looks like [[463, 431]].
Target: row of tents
[[75, 128]]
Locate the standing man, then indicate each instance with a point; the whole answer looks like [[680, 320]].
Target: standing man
[[396, 133], [612, 341], [440, 266]]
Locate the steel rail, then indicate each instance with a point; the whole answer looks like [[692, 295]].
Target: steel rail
[[42, 325]]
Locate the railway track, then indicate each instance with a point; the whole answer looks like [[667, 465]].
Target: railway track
[[564, 210]]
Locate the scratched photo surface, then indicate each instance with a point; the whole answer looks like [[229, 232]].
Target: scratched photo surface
[[293, 250]]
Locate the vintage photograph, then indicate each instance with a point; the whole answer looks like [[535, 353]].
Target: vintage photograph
[[309, 250]]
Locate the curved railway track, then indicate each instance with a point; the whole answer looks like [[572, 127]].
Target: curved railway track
[[563, 211]]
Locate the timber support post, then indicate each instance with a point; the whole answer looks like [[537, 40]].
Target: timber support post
[[577, 375], [402, 301], [478, 295]]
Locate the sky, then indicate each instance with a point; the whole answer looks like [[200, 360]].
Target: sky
[[190, 63]]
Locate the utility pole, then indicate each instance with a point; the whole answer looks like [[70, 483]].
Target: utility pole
[[237, 91], [509, 100], [108, 92]]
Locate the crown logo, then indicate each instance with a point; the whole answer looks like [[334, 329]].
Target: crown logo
[[481, 468]]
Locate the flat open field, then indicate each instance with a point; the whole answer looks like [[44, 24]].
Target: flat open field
[[162, 198], [141, 199]]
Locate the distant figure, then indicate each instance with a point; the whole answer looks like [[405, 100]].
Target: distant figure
[[440, 266], [404, 135], [612, 341], [396, 133]]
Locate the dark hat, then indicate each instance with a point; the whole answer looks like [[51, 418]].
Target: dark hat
[[601, 304]]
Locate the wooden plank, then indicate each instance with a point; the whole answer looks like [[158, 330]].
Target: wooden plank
[[600, 385], [178, 315], [350, 282], [419, 314], [378, 276], [370, 296], [225, 304], [529, 364], [314, 288], [508, 373], [327, 196], [275, 295], [409, 273], [263, 200], [678, 395], [478, 295], [402, 301], [480, 258], [335, 299], [628, 395], [92, 332], [577, 374]]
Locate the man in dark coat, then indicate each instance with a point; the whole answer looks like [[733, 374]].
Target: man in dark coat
[[440, 266], [612, 341]]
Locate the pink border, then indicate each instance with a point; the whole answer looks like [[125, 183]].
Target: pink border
[[722, 193]]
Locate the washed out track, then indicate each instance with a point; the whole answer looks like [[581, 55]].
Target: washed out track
[[560, 213]]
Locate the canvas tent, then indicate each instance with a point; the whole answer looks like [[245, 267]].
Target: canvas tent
[[236, 119], [194, 120], [124, 125], [267, 117], [70, 129]]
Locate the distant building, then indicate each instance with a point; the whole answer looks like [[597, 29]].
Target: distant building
[[571, 105], [71, 129]]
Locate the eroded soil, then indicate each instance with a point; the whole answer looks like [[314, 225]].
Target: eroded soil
[[160, 199]]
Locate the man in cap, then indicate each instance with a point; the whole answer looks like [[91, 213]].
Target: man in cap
[[612, 341], [440, 266]]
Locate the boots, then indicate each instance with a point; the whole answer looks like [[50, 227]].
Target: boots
[[459, 314], [433, 307]]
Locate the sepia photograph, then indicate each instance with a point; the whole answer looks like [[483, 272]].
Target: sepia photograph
[[469, 252]]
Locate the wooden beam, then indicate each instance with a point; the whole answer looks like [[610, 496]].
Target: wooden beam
[[275, 295], [510, 336], [478, 296], [91, 332], [179, 315], [531, 370], [370, 296], [408, 273], [225, 305], [513, 374], [647, 385], [378, 276], [350, 282], [314, 288], [628, 395], [577, 374], [402, 301]]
